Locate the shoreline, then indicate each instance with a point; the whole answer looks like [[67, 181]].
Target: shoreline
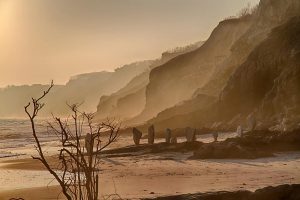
[[285, 191], [142, 176], [140, 172]]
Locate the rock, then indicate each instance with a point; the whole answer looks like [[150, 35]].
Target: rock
[[136, 136], [151, 134], [190, 134], [174, 140], [257, 144], [286, 192], [168, 135], [221, 151]]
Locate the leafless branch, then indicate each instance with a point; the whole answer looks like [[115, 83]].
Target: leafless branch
[[76, 166]]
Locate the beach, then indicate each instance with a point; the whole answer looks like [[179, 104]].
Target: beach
[[149, 176]]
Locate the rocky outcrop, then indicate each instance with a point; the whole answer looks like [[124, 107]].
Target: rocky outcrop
[[255, 144], [157, 148], [286, 192], [252, 145]]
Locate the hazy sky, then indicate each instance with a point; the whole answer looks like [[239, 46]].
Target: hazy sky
[[42, 40]]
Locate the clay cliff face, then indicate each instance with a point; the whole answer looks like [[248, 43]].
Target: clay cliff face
[[87, 88], [84, 89], [268, 83], [269, 14], [130, 100], [109, 106], [178, 79], [173, 117], [14, 98]]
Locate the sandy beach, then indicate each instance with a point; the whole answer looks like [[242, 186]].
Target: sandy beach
[[149, 175], [156, 175]]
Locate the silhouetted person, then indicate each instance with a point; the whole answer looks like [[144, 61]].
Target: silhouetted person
[[174, 140], [137, 135], [283, 125], [168, 135], [215, 135], [190, 134], [151, 134], [251, 122], [239, 131], [89, 143]]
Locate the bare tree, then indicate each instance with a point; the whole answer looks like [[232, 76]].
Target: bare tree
[[248, 10], [80, 141], [245, 11]]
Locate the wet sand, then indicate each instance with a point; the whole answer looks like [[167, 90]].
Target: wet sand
[[38, 193], [159, 175]]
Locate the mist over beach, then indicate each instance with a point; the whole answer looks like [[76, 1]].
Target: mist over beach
[[150, 99]]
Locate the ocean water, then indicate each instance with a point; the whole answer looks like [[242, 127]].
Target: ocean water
[[16, 138]]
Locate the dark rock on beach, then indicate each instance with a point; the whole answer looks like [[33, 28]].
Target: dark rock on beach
[[228, 150], [282, 192], [255, 144], [152, 149]]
